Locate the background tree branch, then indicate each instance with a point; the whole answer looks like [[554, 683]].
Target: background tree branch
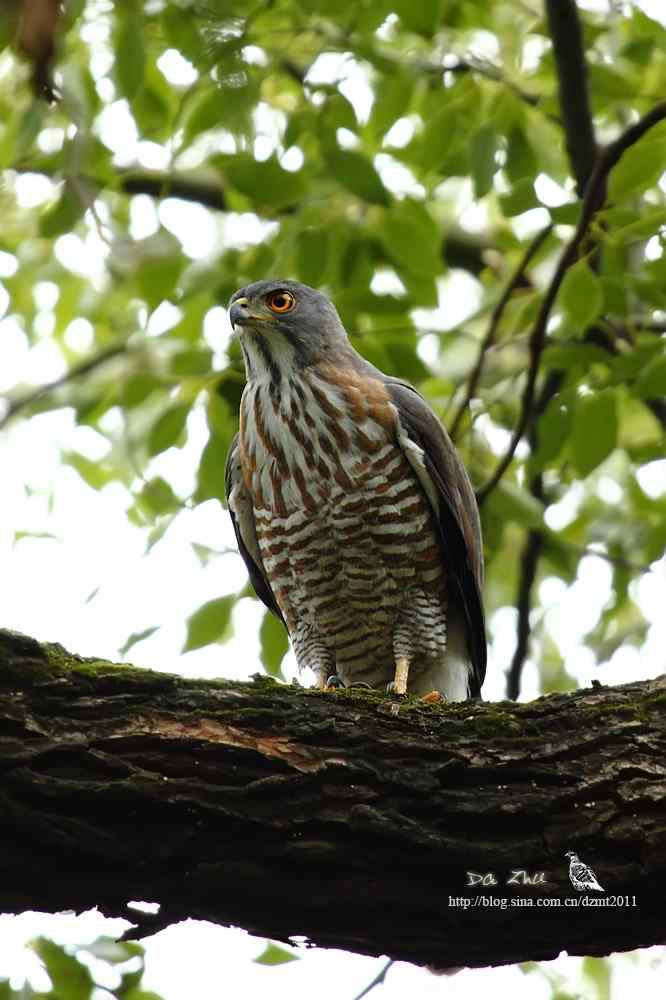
[[344, 818], [567, 37], [595, 196], [460, 249]]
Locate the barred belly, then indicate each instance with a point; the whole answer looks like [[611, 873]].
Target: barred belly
[[345, 531]]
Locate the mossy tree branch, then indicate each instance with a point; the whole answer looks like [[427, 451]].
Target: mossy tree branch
[[345, 817]]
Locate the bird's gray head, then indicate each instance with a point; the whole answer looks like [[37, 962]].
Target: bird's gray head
[[572, 855], [284, 324]]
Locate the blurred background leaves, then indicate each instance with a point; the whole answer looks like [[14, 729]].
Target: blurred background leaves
[[402, 157]]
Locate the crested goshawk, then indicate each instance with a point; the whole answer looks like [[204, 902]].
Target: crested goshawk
[[352, 510]]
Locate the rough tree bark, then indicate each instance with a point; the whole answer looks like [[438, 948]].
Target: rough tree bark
[[341, 817]]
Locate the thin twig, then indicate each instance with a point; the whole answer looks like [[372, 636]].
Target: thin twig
[[529, 564], [460, 249], [162, 185], [621, 561], [647, 326], [377, 981], [533, 550], [495, 318], [491, 72], [78, 371], [595, 196]]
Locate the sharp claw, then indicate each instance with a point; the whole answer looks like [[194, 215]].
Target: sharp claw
[[391, 688], [334, 683]]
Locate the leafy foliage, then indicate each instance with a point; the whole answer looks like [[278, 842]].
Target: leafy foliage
[[273, 954], [384, 151], [116, 967]]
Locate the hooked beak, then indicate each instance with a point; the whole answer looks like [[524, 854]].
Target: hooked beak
[[239, 314]]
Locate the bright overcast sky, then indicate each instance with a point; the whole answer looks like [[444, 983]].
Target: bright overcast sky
[[47, 582]]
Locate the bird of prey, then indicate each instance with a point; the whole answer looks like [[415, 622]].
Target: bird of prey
[[353, 512], [581, 875]]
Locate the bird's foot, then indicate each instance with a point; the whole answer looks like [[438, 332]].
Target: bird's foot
[[399, 683]]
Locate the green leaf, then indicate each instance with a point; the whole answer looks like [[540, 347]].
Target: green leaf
[[312, 248], [567, 214], [130, 982], [575, 354], [209, 623], [19, 535], [70, 978], [598, 972], [267, 183], [123, 650], [274, 644], [336, 112], [482, 159], [412, 237], [180, 29], [130, 55], [444, 140], [206, 112], [421, 288], [9, 21], [274, 955], [651, 383], [168, 429], [204, 553], [137, 388], [631, 364], [615, 294], [512, 503], [520, 158], [594, 434], [422, 16], [639, 168], [641, 229], [553, 429], [192, 361], [581, 295], [355, 172], [95, 474], [210, 480], [158, 496], [157, 277], [391, 102], [63, 216], [142, 995], [519, 199], [156, 533], [152, 109]]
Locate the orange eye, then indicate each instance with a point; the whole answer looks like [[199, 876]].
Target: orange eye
[[281, 302]]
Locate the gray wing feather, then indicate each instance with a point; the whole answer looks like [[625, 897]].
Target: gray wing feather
[[242, 518], [452, 497]]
